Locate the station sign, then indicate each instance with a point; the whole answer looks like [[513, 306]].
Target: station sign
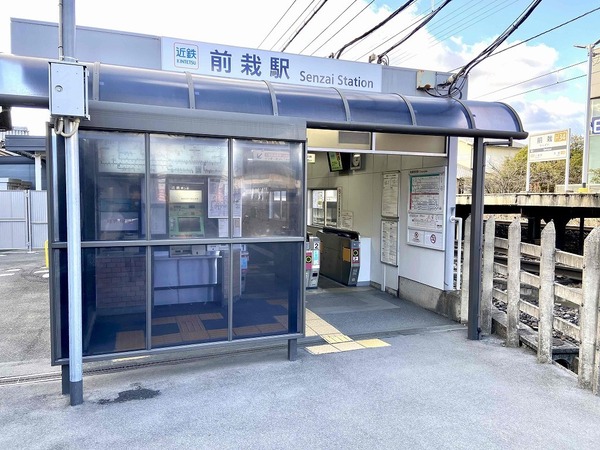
[[550, 146], [595, 125], [252, 64]]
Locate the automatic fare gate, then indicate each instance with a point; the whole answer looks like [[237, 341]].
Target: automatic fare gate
[[340, 255]]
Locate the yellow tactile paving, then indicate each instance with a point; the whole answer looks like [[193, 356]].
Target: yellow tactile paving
[[336, 338], [372, 343], [322, 349], [347, 346], [336, 341]]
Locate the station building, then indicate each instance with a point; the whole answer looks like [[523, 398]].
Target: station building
[[203, 169]]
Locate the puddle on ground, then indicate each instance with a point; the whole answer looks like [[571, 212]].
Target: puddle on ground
[[139, 393]]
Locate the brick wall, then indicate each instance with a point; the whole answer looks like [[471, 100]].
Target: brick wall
[[120, 281]]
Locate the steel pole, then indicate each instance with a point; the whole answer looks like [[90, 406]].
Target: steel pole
[[586, 130], [477, 191], [67, 39]]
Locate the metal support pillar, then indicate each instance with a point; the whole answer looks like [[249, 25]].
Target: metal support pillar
[[67, 52], [292, 349], [477, 191]]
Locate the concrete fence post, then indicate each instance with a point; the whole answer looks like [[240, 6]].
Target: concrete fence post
[[513, 285], [464, 287], [588, 322], [488, 276], [546, 295]]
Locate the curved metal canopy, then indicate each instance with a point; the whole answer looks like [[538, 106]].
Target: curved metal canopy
[[24, 82]]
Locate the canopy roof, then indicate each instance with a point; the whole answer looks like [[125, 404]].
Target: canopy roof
[[24, 82]]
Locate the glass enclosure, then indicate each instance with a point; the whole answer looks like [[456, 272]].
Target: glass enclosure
[[177, 241]]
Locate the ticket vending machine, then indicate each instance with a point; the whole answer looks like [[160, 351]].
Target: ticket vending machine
[[313, 262], [340, 255], [186, 210]]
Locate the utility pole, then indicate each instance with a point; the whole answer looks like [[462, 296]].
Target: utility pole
[[586, 130]]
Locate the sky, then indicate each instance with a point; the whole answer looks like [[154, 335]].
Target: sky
[[543, 79]]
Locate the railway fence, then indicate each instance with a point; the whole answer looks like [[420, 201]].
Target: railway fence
[[585, 296]]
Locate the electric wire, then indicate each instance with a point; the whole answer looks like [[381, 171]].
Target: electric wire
[[543, 87], [306, 22], [542, 33], [461, 76], [343, 26], [278, 22], [285, 33], [337, 54], [329, 25], [381, 57], [530, 79], [473, 19]]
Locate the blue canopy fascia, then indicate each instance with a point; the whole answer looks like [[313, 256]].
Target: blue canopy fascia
[[24, 82]]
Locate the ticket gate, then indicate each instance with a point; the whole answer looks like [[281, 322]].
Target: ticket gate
[[340, 255], [313, 262]]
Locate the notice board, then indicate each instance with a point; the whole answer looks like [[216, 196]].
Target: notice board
[[389, 195], [389, 242], [426, 208]]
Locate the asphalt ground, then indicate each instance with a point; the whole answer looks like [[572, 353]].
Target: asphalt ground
[[429, 387]]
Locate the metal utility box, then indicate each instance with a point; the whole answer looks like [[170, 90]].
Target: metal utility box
[[68, 89], [313, 262], [340, 255]]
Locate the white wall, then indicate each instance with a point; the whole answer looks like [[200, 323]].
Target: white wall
[[361, 194]]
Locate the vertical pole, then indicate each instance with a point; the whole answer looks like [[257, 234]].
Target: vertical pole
[[588, 321], [38, 171], [67, 39], [64, 376], [292, 349], [477, 191], [586, 129], [513, 285], [488, 276], [546, 300], [464, 289]]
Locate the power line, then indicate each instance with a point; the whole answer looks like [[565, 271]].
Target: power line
[[372, 30], [343, 26], [329, 25], [425, 21], [293, 24], [547, 31], [462, 74], [531, 79], [278, 22], [469, 22], [306, 22], [543, 87]]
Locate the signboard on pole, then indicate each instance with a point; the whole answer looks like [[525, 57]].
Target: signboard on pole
[[550, 146]]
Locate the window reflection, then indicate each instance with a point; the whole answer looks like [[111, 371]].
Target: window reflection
[[267, 194], [270, 294], [190, 294]]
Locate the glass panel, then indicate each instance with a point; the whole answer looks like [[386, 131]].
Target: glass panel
[[189, 187], [493, 116], [112, 183], [60, 297], [219, 94], [114, 299], [190, 294], [318, 207], [270, 289], [262, 168], [435, 112], [378, 108], [307, 102], [128, 85]]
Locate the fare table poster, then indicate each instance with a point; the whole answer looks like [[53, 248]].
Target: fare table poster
[[426, 206], [389, 197], [389, 242]]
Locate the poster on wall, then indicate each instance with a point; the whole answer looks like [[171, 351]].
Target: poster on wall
[[426, 207], [389, 196], [389, 242], [347, 220]]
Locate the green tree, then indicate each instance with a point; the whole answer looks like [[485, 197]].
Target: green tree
[[544, 176]]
